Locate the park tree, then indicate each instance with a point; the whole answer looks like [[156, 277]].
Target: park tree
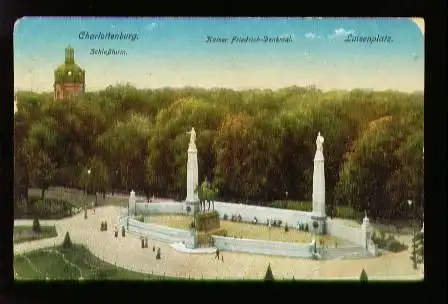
[[417, 251], [38, 150], [256, 144], [125, 145], [363, 278]]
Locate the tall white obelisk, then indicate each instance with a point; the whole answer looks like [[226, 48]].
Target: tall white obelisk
[[318, 213], [192, 169]]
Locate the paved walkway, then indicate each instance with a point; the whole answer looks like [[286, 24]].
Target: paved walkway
[[126, 253]]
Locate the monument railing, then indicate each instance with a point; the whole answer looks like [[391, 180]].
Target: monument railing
[[263, 247]]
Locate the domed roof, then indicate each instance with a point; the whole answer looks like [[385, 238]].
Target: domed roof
[[69, 72]]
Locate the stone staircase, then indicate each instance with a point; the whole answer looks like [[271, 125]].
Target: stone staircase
[[346, 253]]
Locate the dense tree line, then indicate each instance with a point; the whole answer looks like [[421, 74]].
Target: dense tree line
[[254, 144]]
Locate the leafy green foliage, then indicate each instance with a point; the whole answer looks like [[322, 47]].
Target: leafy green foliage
[[363, 278], [67, 243], [269, 276], [255, 145], [418, 251]]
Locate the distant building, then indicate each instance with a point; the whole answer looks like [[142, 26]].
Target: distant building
[[69, 78]]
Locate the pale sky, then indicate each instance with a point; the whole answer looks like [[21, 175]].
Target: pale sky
[[172, 52]]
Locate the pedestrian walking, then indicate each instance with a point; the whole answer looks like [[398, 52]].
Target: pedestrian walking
[[93, 207], [217, 254], [116, 231], [222, 257]]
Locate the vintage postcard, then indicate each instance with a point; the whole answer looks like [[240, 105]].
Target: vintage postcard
[[218, 149]]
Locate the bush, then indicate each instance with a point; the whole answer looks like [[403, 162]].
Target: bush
[[141, 218], [67, 243], [395, 246], [286, 228], [363, 277], [105, 226], [225, 217], [239, 218], [315, 225], [269, 276], [188, 209], [279, 223], [192, 225], [36, 225], [306, 228], [52, 208]]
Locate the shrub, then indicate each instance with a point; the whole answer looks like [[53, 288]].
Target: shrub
[[395, 246], [141, 218], [188, 209], [279, 223], [269, 276], [286, 228], [105, 226], [36, 225], [67, 243], [224, 217], [239, 218], [315, 225], [52, 208], [363, 277], [192, 225]]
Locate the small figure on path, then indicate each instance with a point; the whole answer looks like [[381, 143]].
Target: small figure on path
[[93, 207], [222, 257], [123, 231], [146, 242], [142, 241], [217, 254], [153, 248], [158, 253], [116, 231]]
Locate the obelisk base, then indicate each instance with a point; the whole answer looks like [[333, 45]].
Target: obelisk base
[[321, 221]]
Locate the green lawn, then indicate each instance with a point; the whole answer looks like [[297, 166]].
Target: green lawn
[[77, 197], [59, 264], [25, 233]]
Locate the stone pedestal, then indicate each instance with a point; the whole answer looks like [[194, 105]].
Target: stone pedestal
[[194, 206], [192, 242], [192, 174], [366, 233], [321, 221], [318, 213]]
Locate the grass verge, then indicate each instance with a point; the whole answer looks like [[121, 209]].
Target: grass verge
[[71, 264], [25, 233]]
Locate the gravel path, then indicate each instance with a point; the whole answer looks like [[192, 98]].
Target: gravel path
[[126, 253]]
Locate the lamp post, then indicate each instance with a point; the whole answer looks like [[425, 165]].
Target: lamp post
[[85, 191]]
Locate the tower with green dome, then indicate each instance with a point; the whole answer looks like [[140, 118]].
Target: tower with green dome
[[69, 78]]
